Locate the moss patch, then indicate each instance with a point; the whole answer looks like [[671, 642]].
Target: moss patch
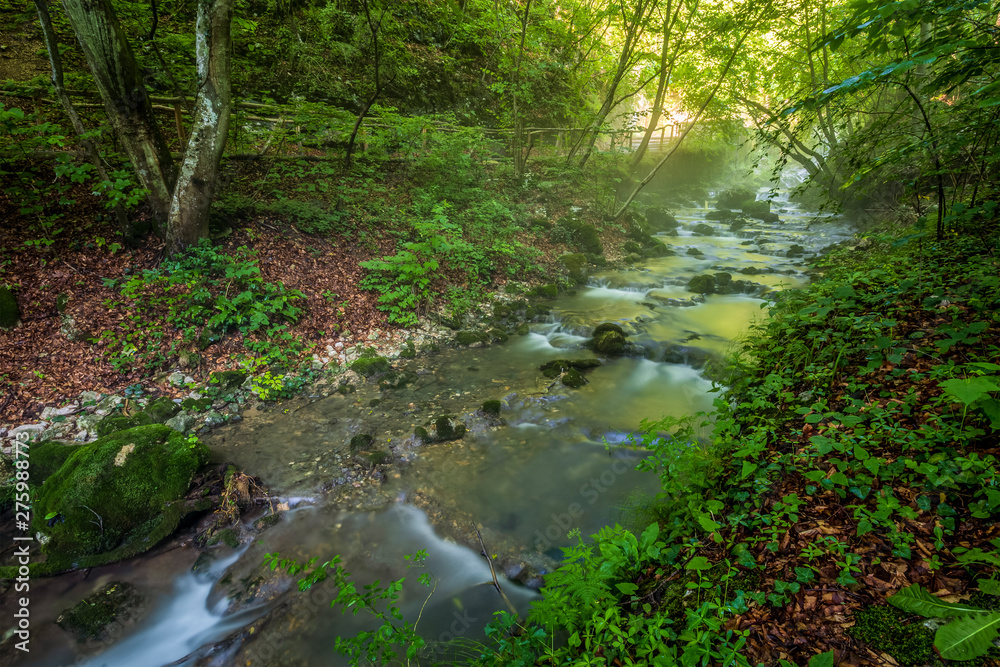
[[573, 379], [492, 408], [113, 424], [161, 410], [449, 428], [369, 366], [47, 457], [118, 494], [228, 380], [90, 617], [470, 337], [884, 628]]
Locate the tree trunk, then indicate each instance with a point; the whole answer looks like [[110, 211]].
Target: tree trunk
[[199, 171], [123, 91], [52, 46]]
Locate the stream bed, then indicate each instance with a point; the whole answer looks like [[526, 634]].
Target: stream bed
[[546, 466]]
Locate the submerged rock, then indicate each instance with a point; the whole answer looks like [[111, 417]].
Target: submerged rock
[[114, 603], [702, 284], [447, 427]]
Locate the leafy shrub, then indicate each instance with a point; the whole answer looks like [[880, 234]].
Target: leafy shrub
[[206, 294]]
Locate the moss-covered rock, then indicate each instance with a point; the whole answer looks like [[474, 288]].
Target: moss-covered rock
[[734, 197], [408, 351], [397, 380], [702, 284], [501, 310], [549, 291], [631, 246], [362, 442], [378, 458], [498, 335], [659, 220], [589, 240], [469, 337], [573, 379], [492, 408], [795, 250], [447, 427], [369, 366], [576, 266], [9, 311], [703, 229], [47, 457], [119, 495], [228, 380], [196, 404], [560, 365], [266, 521], [608, 338], [227, 536], [116, 602], [114, 423], [421, 433], [694, 252], [161, 409]]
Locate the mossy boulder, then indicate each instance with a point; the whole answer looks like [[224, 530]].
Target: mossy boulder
[[114, 423], [362, 442], [694, 252], [795, 250], [702, 229], [550, 291], [576, 265], [734, 197], [659, 220], [589, 240], [162, 409], [608, 338], [47, 457], [498, 335], [573, 379], [228, 380], [491, 408], [522, 329], [631, 246], [421, 433], [724, 214], [9, 311], [501, 310], [469, 337], [369, 366], [117, 496], [447, 427], [114, 603], [408, 351], [702, 284], [658, 249]]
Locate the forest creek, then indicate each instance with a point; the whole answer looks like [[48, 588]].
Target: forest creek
[[561, 332]]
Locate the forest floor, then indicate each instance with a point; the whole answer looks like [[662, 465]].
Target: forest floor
[[73, 280]]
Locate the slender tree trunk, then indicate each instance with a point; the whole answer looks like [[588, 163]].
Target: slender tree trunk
[[666, 70], [52, 46], [701, 110], [373, 27], [633, 31], [518, 141], [123, 91], [199, 172]]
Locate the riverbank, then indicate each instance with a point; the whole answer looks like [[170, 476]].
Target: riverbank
[[854, 456]]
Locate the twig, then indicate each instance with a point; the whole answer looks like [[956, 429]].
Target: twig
[[99, 523], [493, 572]]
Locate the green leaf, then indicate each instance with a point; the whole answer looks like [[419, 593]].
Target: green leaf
[[991, 408], [969, 390], [822, 660], [916, 600], [627, 589], [967, 637], [698, 563], [747, 469], [989, 586]]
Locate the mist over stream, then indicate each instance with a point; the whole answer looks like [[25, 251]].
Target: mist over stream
[[524, 484]]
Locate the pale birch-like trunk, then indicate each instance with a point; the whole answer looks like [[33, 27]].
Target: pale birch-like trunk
[[199, 171]]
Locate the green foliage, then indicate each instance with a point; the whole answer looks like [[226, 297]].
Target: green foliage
[[394, 638], [205, 294], [969, 635]]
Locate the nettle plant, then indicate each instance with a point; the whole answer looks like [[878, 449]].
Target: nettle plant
[[206, 294]]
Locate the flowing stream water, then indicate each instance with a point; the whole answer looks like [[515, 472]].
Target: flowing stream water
[[524, 484]]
